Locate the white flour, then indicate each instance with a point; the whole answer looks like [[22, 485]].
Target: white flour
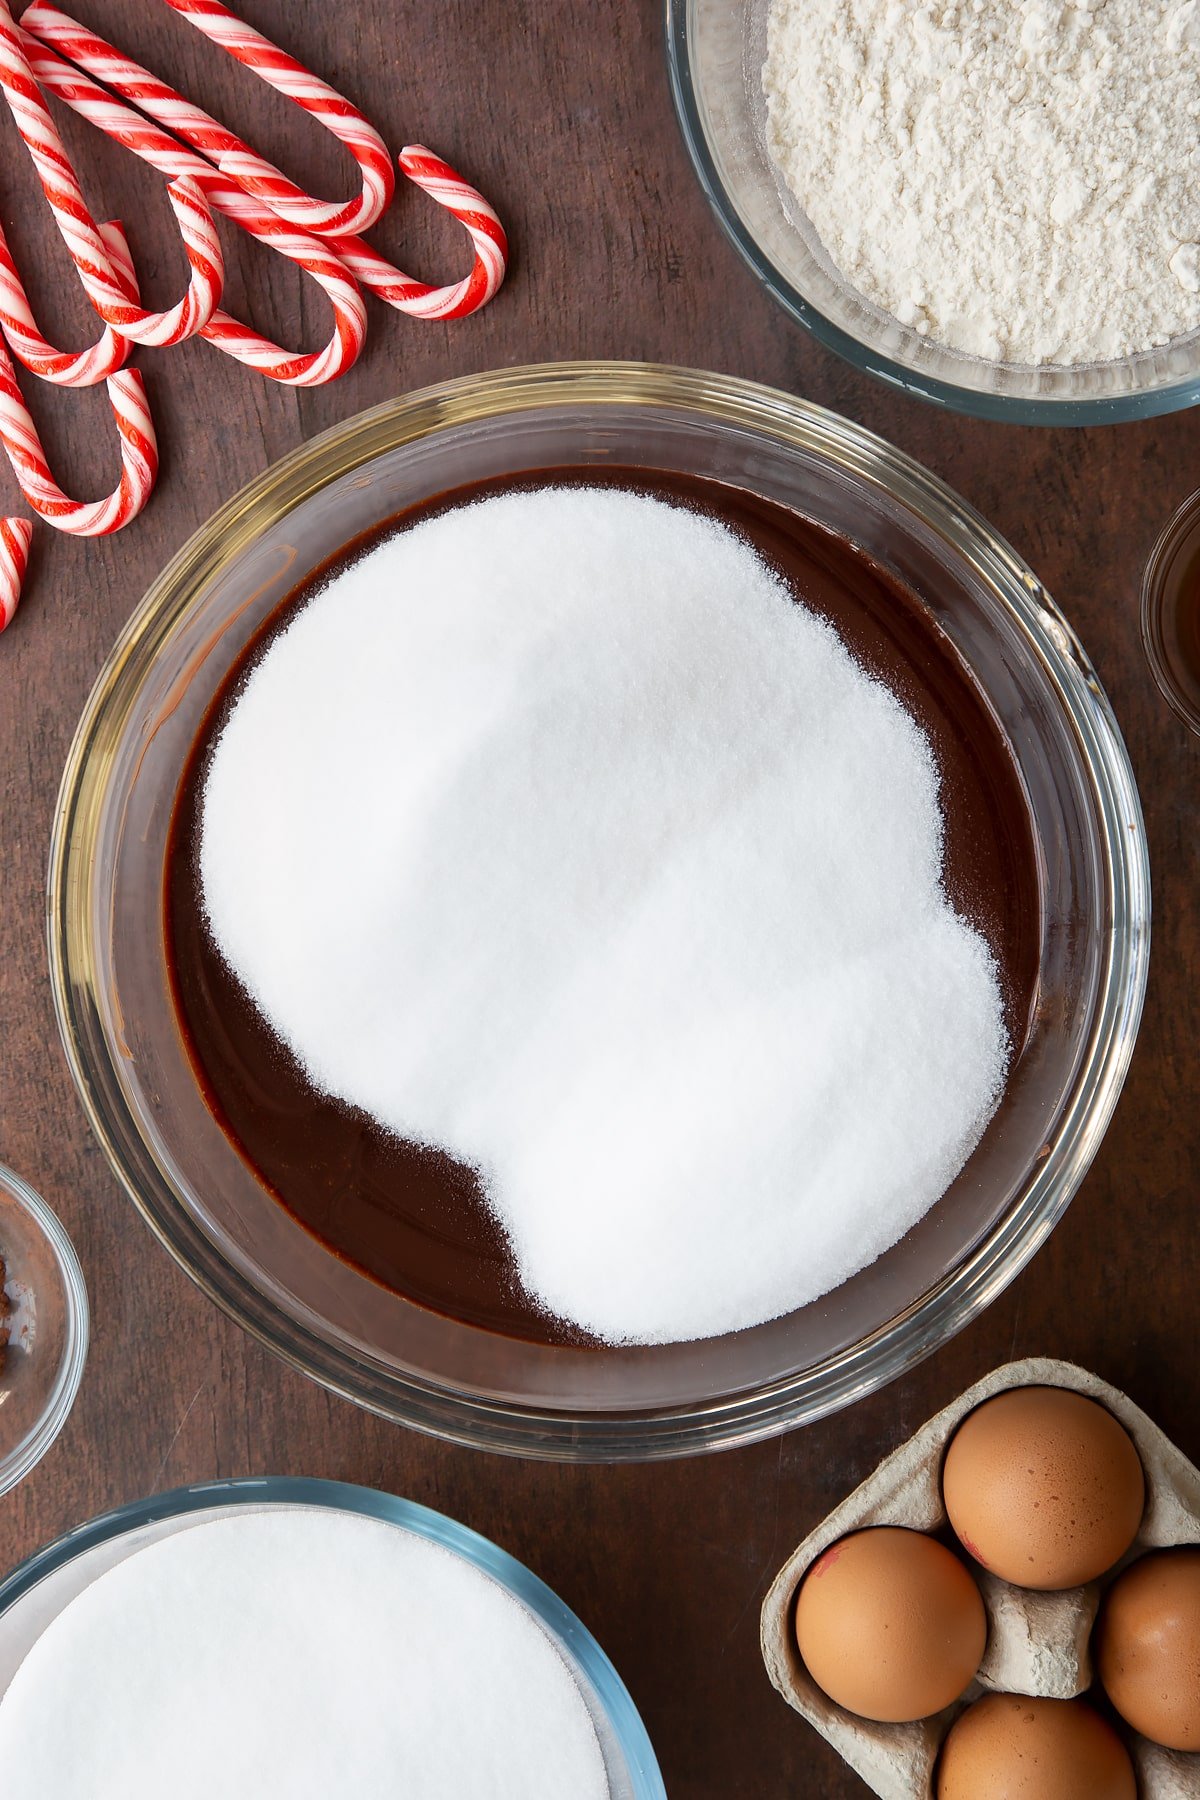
[[1018, 179]]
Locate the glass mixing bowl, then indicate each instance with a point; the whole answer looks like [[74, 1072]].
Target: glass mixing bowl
[[715, 53], [40, 1588], [47, 1329], [119, 1025]]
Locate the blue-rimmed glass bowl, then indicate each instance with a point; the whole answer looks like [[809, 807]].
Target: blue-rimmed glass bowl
[[39, 1589], [715, 52]]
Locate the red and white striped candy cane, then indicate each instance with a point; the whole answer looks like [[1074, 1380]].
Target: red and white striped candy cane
[[146, 140], [253, 172], [65, 368], [158, 101], [139, 457], [121, 257], [16, 536], [79, 230], [472, 211]]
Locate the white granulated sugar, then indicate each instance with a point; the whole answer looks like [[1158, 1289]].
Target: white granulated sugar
[[296, 1654], [1018, 179], [555, 834]]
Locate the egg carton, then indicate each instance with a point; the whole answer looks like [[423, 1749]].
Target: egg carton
[[1038, 1643]]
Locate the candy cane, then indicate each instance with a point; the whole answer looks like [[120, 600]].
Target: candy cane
[[16, 536], [472, 211], [139, 457], [435, 177], [121, 258], [171, 158], [65, 368], [253, 172], [79, 230]]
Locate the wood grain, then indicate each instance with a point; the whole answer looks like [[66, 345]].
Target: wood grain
[[562, 116]]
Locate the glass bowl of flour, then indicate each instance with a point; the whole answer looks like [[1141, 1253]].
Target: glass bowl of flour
[[996, 208], [657, 1099]]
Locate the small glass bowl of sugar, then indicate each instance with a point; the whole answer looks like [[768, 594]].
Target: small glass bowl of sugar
[[43, 1328]]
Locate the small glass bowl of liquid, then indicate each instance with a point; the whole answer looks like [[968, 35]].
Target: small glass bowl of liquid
[[44, 1320], [1171, 612]]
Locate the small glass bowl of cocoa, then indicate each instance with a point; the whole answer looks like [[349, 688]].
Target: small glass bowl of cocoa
[[43, 1328]]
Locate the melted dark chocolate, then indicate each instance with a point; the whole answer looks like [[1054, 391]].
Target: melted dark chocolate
[[412, 1218]]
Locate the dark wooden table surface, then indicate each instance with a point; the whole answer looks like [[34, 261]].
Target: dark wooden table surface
[[562, 116]]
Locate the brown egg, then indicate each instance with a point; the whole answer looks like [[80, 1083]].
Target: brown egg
[[1043, 1487], [1008, 1747], [890, 1624], [1148, 1653]]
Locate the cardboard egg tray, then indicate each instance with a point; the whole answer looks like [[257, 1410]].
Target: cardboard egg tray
[[1038, 1643]]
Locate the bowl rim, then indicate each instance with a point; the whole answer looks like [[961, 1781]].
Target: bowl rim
[[1009, 409], [561, 1624], [25, 1455], [951, 1303], [1181, 528]]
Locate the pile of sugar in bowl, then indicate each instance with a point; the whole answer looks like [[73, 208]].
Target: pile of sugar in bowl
[[554, 833], [289, 1653], [1017, 179]]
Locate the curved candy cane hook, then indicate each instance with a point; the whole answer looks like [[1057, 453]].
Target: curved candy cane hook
[[16, 535], [290, 78], [79, 230], [139, 457], [65, 368], [472, 211], [171, 158]]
